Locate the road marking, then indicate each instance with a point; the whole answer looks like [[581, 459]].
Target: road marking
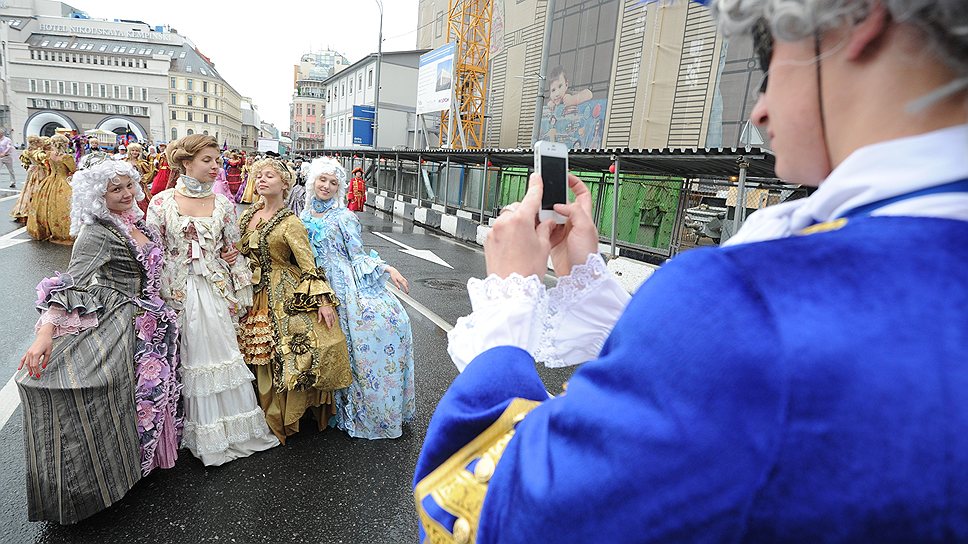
[[6, 198], [14, 234], [425, 311], [8, 240], [424, 254], [9, 401]]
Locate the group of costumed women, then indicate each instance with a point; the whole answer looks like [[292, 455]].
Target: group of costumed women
[[199, 305], [45, 202]]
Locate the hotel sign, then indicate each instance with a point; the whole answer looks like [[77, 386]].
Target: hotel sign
[[107, 32]]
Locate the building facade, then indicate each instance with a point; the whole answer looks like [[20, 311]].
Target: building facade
[[69, 71], [351, 91], [644, 75], [251, 125], [307, 110]]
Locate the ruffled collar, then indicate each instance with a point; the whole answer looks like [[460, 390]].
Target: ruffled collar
[[192, 188], [322, 206], [871, 174]]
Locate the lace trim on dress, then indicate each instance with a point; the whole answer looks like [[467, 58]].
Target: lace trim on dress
[[209, 380], [217, 437], [494, 288], [64, 322], [569, 292]]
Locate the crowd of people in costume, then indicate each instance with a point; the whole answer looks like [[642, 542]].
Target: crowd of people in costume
[[226, 331]]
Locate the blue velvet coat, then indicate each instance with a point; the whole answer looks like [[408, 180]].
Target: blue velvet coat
[[810, 389]]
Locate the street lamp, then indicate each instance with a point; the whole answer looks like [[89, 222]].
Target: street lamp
[[376, 92]]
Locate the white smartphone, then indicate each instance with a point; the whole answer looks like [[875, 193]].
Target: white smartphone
[[551, 161]]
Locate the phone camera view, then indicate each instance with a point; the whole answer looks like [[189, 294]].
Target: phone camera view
[[553, 175]]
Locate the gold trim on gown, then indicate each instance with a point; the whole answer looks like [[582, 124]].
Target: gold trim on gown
[[297, 361]]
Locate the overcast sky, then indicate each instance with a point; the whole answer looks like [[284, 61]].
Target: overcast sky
[[255, 48]]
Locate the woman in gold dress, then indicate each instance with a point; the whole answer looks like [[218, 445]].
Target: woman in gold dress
[[49, 214], [248, 190], [135, 157], [291, 335], [34, 161]]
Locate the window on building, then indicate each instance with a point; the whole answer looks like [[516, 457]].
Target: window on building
[[75, 86], [174, 99], [191, 101], [174, 115], [174, 133], [104, 91], [359, 82], [88, 89], [342, 89], [144, 94], [46, 86], [204, 86], [190, 116], [439, 24], [123, 109], [130, 93], [95, 107], [369, 78], [190, 131], [205, 132], [117, 91], [55, 104], [205, 102], [216, 119], [173, 82], [351, 86], [191, 84], [108, 108], [60, 87], [205, 118], [33, 85]]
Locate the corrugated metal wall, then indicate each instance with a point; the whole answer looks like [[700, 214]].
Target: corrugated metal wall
[[628, 66], [696, 70]]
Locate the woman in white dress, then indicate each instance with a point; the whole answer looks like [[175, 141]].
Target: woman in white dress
[[209, 286]]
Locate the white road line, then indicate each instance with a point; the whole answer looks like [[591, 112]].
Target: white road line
[[14, 234], [9, 401], [409, 301], [6, 198]]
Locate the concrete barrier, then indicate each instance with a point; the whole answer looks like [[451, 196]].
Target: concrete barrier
[[403, 209], [431, 218], [465, 214], [630, 273]]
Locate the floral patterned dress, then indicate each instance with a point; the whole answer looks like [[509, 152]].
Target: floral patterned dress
[[222, 419], [49, 216], [381, 398]]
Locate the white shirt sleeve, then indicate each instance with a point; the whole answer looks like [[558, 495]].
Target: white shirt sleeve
[[563, 326]]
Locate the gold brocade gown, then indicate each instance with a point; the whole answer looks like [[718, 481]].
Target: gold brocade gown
[[37, 171], [248, 195], [297, 361], [49, 215]]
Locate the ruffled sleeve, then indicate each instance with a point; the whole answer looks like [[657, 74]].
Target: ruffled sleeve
[[369, 270], [240, 273], [63, 298], [313, 290]]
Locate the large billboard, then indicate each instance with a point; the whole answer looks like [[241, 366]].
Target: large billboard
[[362, 125], [579, 72], [435, 79]]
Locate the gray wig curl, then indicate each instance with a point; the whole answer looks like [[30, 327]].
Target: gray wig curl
[[88, 188], [944, 22], [326, 165]]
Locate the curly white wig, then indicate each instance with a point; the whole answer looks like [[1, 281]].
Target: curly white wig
[[326, 165], [89, 186]]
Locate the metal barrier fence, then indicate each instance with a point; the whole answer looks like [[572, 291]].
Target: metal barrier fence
[[657, 215]]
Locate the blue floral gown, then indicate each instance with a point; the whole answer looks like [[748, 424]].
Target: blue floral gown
[[381, 398]]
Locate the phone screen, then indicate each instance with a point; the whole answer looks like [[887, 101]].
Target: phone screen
[[553, 176]]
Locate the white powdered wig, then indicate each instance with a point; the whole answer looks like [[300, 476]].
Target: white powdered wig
[[89, 186], [326, 165]]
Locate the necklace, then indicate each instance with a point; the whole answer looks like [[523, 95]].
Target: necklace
[[322, 206], [192, 188]]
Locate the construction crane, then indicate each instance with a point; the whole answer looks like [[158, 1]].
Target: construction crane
[[469, 25]]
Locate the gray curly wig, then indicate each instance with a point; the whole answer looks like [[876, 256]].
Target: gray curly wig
[[89, 185], [326, 165]]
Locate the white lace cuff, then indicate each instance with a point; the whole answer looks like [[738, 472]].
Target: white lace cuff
[[64, 322], [504, 313], [580, 314]]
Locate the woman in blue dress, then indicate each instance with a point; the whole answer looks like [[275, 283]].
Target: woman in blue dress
[[381, 398]]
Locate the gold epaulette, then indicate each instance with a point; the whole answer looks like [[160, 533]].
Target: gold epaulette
[[456, 489], [829, 226]]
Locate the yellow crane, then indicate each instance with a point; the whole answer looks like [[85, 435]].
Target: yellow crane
[[469, 25]]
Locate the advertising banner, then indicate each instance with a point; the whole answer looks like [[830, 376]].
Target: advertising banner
[[435, 79], [265, 144], [362, 125], [579, 72]]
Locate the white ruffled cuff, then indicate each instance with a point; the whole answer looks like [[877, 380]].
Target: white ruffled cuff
[[580, 314], [504, 314], [66, 322]]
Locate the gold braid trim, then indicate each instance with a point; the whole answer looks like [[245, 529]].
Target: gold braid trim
[[461, 492]]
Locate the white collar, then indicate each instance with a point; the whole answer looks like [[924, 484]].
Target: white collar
[[871, 174]]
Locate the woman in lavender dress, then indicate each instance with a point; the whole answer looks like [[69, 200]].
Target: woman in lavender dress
[[98, 385]]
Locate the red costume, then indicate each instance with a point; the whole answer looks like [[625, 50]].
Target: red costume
[[356, 194], [160, 181], [233, 173]]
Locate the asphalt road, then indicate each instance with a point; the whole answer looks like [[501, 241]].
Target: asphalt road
[[319, 487]]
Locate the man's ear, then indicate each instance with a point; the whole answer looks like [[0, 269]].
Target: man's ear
[[865, 33]]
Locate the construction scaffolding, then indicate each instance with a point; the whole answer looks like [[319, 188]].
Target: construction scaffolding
[[469, 26]]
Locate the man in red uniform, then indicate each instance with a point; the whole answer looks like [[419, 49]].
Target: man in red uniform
[[356, 195]]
